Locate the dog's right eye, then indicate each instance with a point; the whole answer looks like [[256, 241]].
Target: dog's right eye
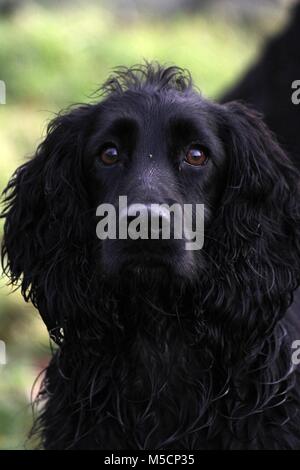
[[110, 155]]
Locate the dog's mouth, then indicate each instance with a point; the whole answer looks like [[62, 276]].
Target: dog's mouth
[[152, 273], [148, 260]]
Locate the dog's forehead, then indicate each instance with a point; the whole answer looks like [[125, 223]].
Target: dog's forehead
[[156, 106], [156, 118]]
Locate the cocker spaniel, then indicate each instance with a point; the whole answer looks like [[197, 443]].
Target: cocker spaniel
[[160, 347]]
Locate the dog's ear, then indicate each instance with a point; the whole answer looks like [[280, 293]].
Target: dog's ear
[[254, 239], [44, 246]]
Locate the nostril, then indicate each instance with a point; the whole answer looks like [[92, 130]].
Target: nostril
[[158, 221], [152, 220], [155, 223]]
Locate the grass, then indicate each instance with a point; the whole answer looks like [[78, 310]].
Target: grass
[[50, 59]]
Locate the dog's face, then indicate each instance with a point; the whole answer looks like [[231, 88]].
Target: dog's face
[[154, 148]]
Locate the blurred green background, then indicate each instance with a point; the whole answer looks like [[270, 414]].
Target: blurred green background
[[55, 53]]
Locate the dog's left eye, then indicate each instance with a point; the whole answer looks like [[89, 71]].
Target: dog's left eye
[[196, 156], [110, 155]]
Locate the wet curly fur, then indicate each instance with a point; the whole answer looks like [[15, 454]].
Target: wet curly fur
[[196, 356]]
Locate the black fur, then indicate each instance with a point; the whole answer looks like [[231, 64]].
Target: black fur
[[161, 348]]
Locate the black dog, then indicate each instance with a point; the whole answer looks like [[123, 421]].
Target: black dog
[[160, 347], [268, 86]]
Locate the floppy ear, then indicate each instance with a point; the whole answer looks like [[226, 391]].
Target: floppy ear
[[255, 236], [46, 242]]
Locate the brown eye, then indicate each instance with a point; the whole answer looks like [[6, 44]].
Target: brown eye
[[110, 155], [196, 156]]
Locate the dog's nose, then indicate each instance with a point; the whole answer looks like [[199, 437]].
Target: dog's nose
[[147, 221]]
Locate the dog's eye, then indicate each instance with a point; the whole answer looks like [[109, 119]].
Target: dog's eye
[[110, 155], [196, 156]]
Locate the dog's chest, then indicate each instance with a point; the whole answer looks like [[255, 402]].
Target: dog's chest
[[158, 395]]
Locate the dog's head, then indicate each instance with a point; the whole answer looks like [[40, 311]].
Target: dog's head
[[155, 140], [155, 143]]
